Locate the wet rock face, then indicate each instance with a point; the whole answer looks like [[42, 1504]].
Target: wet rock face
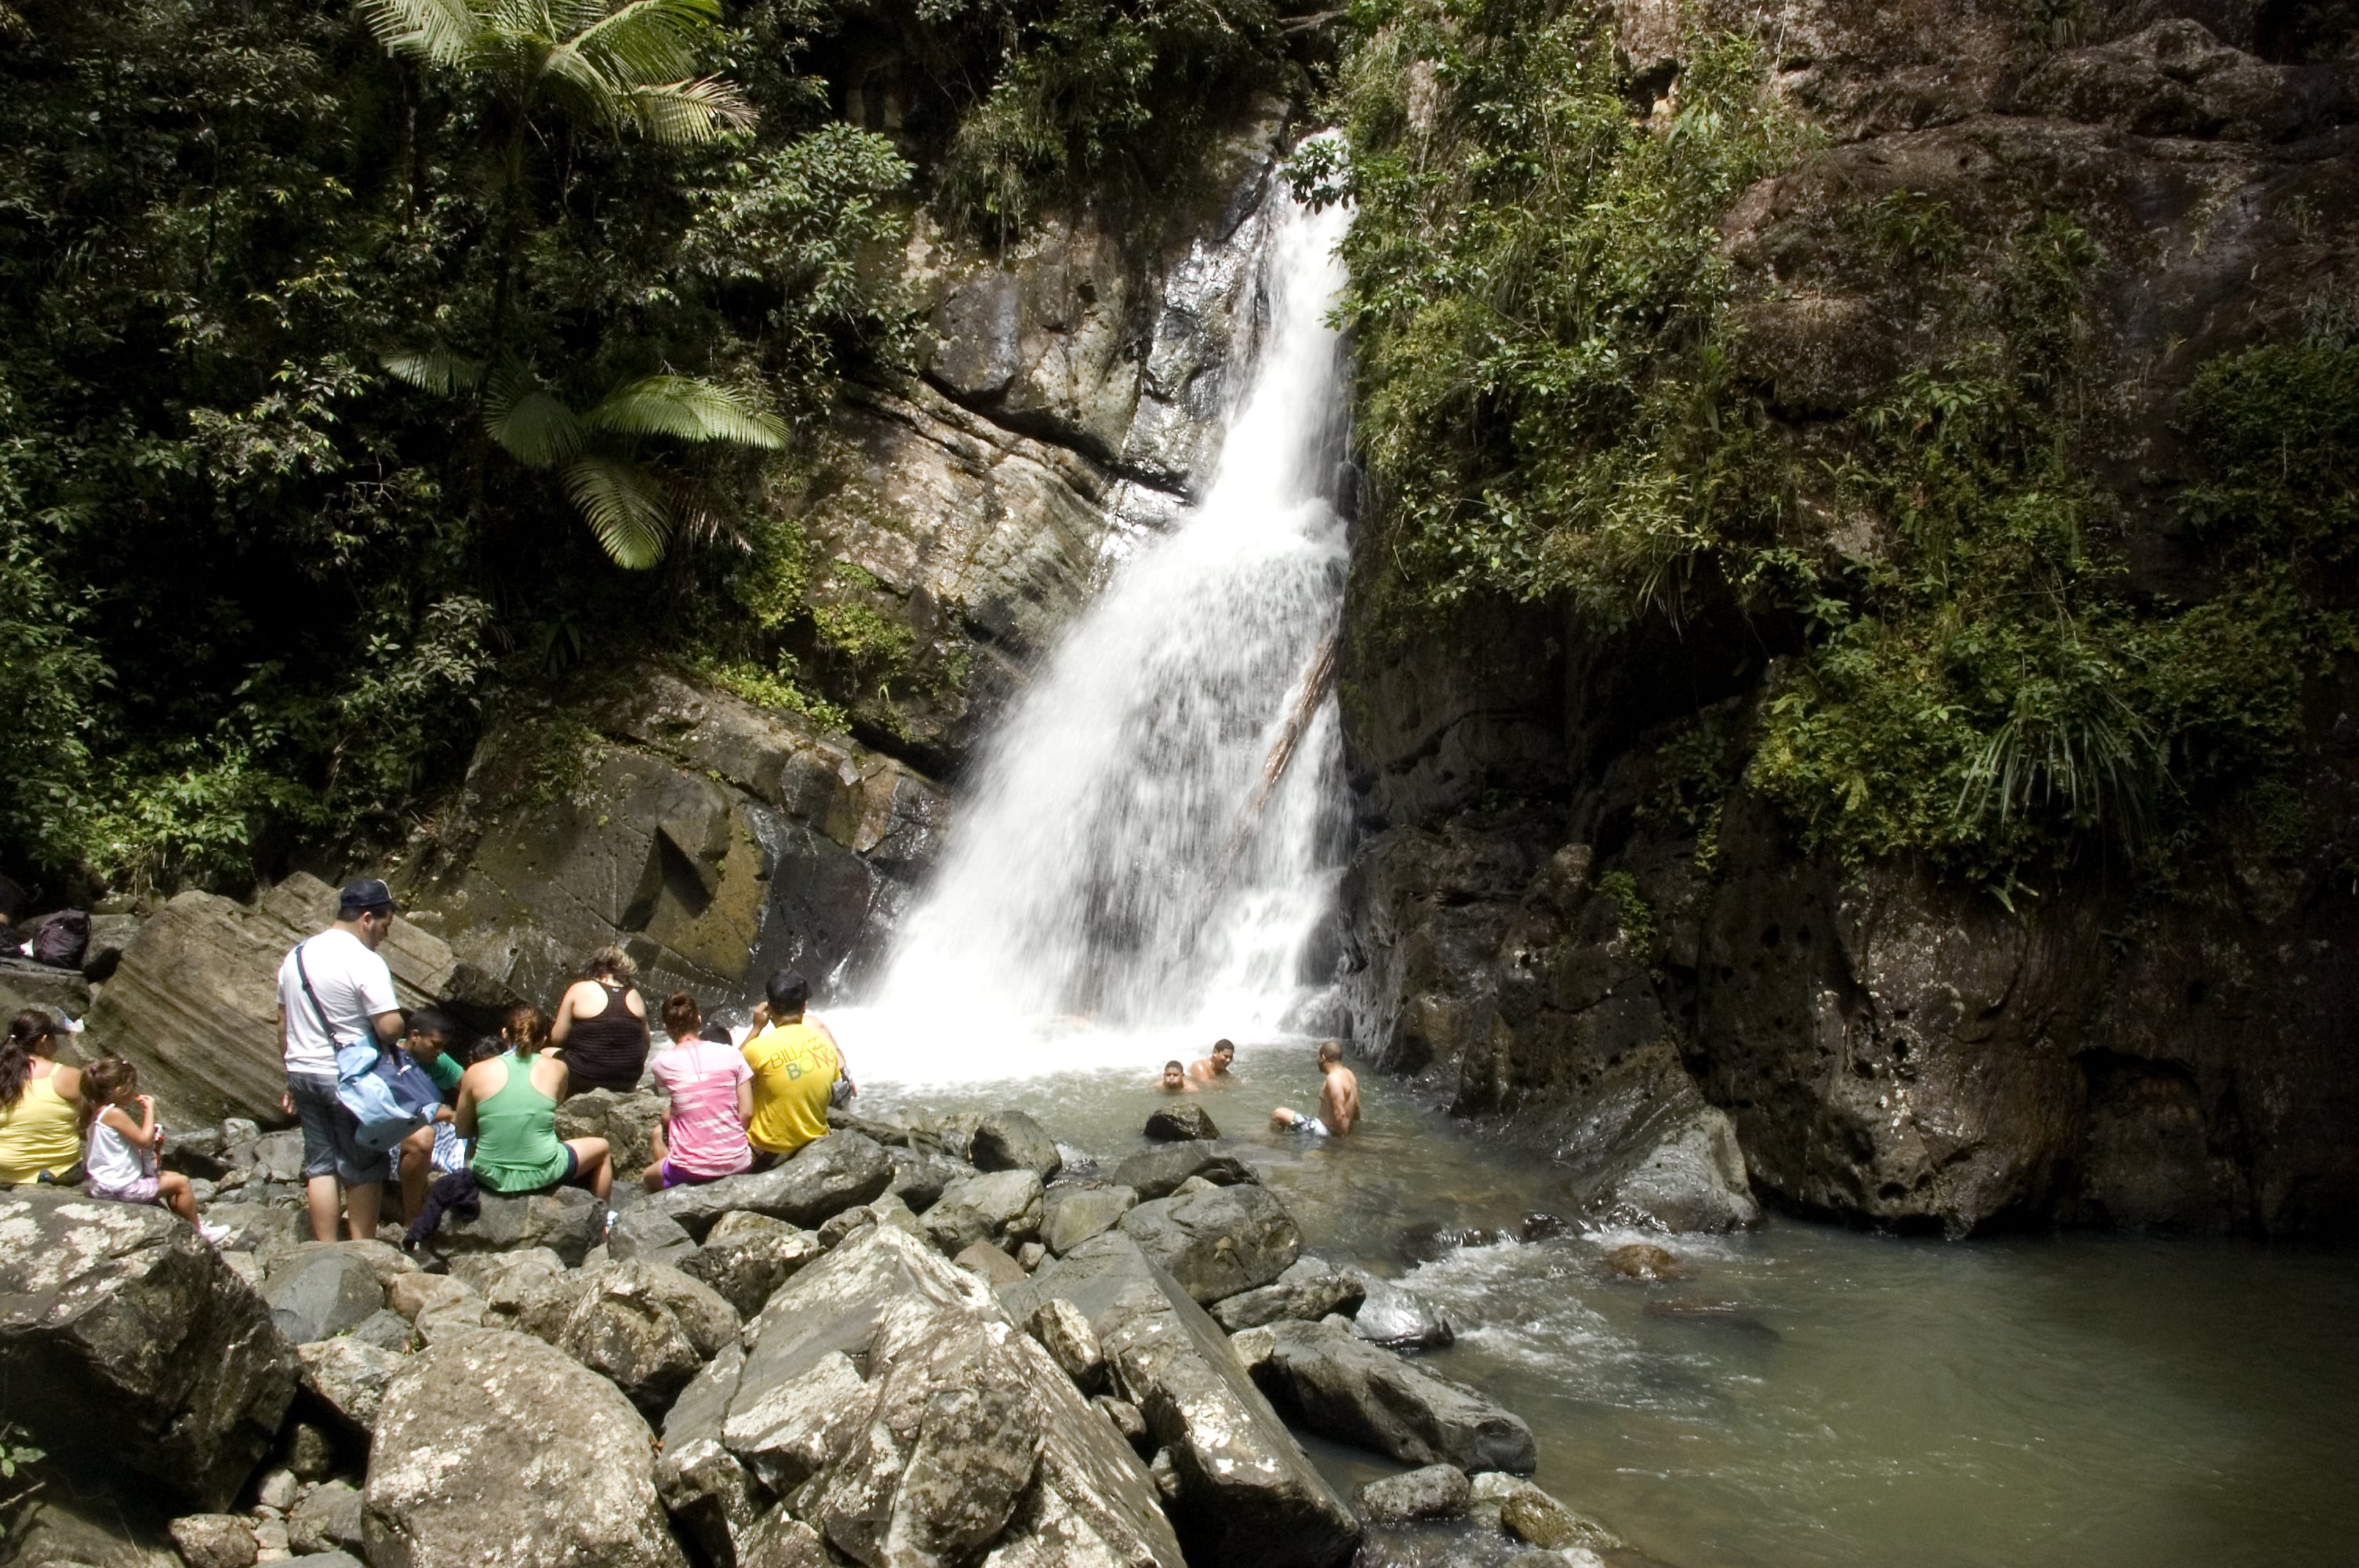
[[1342, 1386], [1877, 1045], [130, 1350]]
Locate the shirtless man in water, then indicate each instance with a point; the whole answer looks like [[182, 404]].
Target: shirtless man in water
[[1214, 1068], [1174, 1080], [1339, 1100]]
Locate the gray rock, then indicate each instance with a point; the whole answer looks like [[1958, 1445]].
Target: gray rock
[[278, 1156], [746, 1256], [1181, 1121], [387, 1330], [1532, 1515], [327, 1521], [128, 1348], [194, 1003], [1012, 1140], [833, 1234], [505, 1279], [1355, 1392], [276, 1490], [543, 1309], [326, 1560], [1127, 1421], [646, 1234], [1247, 1495], [215, 1541], [567, 1220], [471, 1415], [998, 1206], [350, 1376], [710, 1494], [1307, 1291], [628, 1123], [1070, 1216], [322, 1291], [961, 1433], [1437, 1491], [1693, 1179], [1070, 1341], [1156, 1172], [919, 1177], [311, 1450], [825, 1177], [647, 1327], [989, 1263], [1399, 1319], [1218, 1242]]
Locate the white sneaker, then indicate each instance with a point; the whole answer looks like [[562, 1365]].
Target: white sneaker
[[216, 1234]]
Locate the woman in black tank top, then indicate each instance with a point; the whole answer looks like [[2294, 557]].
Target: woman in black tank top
[[600, 1029]]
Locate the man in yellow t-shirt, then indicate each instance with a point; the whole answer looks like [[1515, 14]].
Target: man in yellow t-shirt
[[795, 1068]]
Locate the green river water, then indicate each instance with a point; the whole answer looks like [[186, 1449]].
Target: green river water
[[2071, 1402]]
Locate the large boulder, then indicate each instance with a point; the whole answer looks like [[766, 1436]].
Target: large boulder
[[1217, 1241], [128, 1348], [822, 1179], [890, 1404], [746, 1256], [1181, 1121], [496, 1448], [1310, 1289], [648, 1329], [628, 1123], [1247, 1497], [569, 1221], [194, 1001], [320, 1292], [1070, 1216], [1012, 1140], [1003, 1207], [1156, 1172], [1349, 1389]]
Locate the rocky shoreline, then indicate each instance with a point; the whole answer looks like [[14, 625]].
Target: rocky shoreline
[[933, 1342]]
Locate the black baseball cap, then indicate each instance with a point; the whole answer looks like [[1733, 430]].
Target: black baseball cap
[[364, 897]]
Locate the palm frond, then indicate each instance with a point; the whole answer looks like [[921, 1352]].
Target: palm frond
[[528, 421], [645, 42], [687, 408], [625, 506], [690, 113], [443, 31], [433, 370]]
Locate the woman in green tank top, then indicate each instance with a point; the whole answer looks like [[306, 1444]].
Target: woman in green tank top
[[508, 1105]]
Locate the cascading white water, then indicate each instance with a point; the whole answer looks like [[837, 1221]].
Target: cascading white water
[[1121, 864]]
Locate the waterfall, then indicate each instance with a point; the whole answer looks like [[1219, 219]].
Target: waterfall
[[1145, 844]]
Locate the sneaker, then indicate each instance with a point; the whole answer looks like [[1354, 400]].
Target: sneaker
[[216, 1234]]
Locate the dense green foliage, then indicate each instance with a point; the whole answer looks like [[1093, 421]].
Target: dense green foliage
[[324, 328], [1553, 400]]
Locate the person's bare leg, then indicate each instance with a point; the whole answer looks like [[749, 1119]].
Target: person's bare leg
[[321, 1196], [361, 1203], [177, 1195], [652, 1177], [417, 1166], [592, 1165]]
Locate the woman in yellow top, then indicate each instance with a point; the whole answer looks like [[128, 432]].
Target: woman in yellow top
[[795, 1067], [40, 1102]]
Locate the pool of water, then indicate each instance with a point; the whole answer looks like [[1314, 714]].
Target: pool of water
[[1863, 1401]]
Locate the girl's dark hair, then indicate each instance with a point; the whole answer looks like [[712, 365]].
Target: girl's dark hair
[[524, 1027], [682, 1015], [25, 1032], [103, 1083]]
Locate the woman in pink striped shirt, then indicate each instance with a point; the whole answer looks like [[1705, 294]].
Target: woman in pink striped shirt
[[702, 1137]]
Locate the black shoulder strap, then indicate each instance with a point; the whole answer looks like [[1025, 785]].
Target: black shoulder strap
[[304, 975]]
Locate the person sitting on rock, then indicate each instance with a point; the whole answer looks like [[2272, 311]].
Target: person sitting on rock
[[124, 1141], [40, 1103], [703, 1136], [1339, 1099], [432, 1044], [1175, 1079], [1214, 1068], [507, 1105], [795, 1068], [601, 1027]]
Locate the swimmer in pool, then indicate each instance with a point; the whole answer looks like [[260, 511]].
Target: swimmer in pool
[[1174, 1080], [1214, 1068], [1339, 1100]]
